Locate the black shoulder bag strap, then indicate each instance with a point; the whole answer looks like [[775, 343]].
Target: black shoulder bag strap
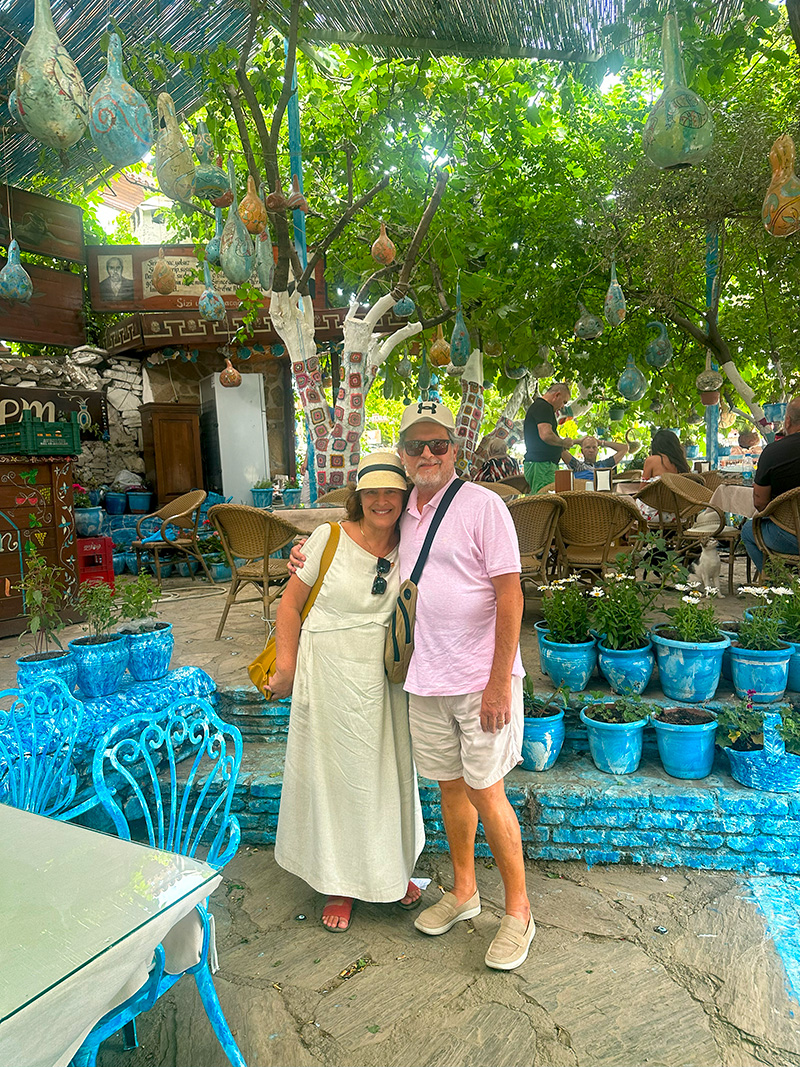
[[444, 504]]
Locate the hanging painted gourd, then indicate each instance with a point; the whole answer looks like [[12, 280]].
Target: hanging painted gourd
[[15, 283], [296, 201], [51, 102], [781, 209], [383, 250], [236, 253], [634, 446], [276, 201], [265, 260], [424, 377], [120, 122], [227, 197], [174, 162], [388, 387], [404, 367], [404, 308], [251, 209], [516, 373], [709, 382], [163, 280], [632, 383], [212, 248], [659, 352], [211, 305], [459, 341], [679, 130], [614, 304], [656, 406], [453, 370], [230, 377], [493, 348], [588, 326], [210, 181], [439, 354]]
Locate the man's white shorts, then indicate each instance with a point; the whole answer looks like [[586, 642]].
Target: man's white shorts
[[449, 742]]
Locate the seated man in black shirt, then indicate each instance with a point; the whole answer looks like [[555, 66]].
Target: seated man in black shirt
[[543, 446], [778, 471]]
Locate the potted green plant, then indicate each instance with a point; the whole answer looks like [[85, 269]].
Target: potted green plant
[[786, 589], [262, 493], [43, 590], [291, 493], [214, 555], [689, 648], [763, 746], [624, 650], [88, 518], [543, 727], [760, 656], [568, 651], [685, 739], [116, 499], [102, 656], [615, 729], [150, 641]]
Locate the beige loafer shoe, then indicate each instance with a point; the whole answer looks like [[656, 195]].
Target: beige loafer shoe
[[511, 943], [441, 917]]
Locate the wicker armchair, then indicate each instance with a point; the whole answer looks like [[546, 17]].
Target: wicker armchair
[[252, 534], [507, 492], [536, 520], [518, 482], [591, 530], [336, 497], [784, 511], [183, 512]]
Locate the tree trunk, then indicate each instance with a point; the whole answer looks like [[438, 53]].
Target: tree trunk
[[470, 412], [793, 11]]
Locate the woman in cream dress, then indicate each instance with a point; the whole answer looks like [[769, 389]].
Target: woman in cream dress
[[350, 823]]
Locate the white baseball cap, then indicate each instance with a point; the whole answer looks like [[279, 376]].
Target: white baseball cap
[[427, 411]]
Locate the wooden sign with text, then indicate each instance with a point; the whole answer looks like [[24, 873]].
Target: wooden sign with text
[[51, 405]]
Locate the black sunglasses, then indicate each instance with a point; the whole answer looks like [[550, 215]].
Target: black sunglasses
[[437, 447], [382, 566]]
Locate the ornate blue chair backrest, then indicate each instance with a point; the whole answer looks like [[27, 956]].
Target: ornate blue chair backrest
[[136, 775], [38, 730]]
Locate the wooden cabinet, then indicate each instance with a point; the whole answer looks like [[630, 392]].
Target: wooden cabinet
[[171, 444], [35, 511]]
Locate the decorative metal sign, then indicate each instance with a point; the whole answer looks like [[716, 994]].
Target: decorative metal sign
[[53, 405]]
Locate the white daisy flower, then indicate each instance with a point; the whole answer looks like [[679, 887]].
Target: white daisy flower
[[596, 593], [782, 590], [681, 588], [690, 599]]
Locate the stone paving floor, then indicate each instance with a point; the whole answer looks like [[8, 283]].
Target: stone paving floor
[[630, 965]]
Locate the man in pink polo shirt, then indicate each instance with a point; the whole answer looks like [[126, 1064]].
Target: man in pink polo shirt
[[465, 677]]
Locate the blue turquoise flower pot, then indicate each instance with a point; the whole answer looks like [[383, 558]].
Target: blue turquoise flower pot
[[220, 572], [616, 748], [762, 674], [727, 629], [31, 669], [692, 451], [187, 567], [132, 562], [569, 665], [118, 560], [291, 497], [262, 498], [88, 521], [100, 666], [540, 629], [689, 672], [139, 502], [793, 682], [115, 503], [149, 653], [542, 739], [627, 671], [686, 751], [775, 412]]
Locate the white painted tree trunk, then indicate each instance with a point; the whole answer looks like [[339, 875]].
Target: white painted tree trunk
[[470, 412], [337, 438]]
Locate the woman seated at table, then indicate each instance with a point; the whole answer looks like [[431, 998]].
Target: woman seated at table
[[350, 822], [666, 457]]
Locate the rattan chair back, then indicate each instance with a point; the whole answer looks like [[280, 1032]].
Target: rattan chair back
[[784, 511], [183, 511], [337, 496], [518, 482], [592, 526], [504, 491]]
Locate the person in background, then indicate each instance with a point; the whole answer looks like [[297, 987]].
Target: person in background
[[590, 446], [777, 472], [498, 464], [543, 446], [666, 456]]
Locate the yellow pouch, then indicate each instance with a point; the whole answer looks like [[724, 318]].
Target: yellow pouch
[[265, 662]]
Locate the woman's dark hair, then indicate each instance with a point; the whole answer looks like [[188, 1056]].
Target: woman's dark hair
[[355, 511], [665, 443]]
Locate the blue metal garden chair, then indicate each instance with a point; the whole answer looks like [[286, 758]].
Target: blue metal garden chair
[[38, 730], [136, 776]]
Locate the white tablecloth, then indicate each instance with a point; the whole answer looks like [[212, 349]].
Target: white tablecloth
[[80, 916], [735, 499]]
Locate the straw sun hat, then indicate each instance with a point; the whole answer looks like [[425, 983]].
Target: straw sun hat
[[381, 470]]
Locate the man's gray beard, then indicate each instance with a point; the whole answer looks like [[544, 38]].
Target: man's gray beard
[[431, 478]]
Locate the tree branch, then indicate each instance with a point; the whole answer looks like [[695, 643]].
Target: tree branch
[[422, 229], [330, 237], [241, 126], [391, 269], [244, 55]]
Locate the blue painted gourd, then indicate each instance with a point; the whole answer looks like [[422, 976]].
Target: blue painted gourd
[[781, 210], [588, 326], [404, 308], [632, 383], [679, 130], [174, 161], [459, 342], [212, 248], [614, 304], [659, 352], [210, 181], [52, 102], [211, 305], [404, 367], [265, 260], [15, 282], [236, 253], [120, 122]]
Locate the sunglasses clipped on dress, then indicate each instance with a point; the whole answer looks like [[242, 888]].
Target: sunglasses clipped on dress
[[438, 447], [382, 567]]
